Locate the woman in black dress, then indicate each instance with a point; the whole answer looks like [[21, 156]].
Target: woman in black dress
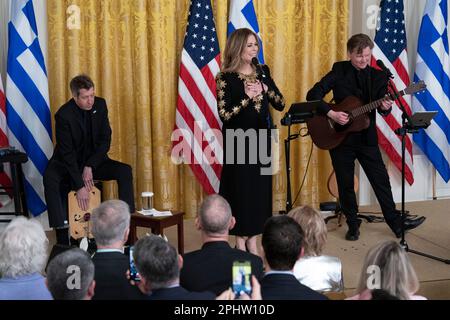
[[244, 92]]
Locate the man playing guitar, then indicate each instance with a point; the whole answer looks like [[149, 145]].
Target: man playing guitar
[[356, 78]]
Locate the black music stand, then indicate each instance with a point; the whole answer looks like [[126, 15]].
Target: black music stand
[[298, 113], [412, 124]]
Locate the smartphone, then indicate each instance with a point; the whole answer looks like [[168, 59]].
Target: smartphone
[[134, 274], [242, 274]]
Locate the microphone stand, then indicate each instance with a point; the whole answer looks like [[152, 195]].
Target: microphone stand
[[287, 147], [407, 127]]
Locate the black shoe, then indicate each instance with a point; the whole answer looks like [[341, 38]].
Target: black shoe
[[409, 224], [353, 232], [352, 235]]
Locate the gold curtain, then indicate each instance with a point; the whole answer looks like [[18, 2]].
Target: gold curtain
[[131, 49]]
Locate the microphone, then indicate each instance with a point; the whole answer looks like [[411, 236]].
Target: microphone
[[385, 69], [259, 69], [255, 62]]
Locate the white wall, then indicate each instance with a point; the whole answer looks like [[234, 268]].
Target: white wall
[[422, 189]]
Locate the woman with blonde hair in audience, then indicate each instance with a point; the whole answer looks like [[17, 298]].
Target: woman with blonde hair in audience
[[387, 266], [23, 254], [313, 269]]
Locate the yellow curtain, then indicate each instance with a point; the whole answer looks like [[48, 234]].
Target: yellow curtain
[[131, 49]]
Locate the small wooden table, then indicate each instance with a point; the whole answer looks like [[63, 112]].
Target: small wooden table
[[157, 224]]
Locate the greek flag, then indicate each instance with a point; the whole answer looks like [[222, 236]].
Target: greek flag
[[27, 103], [433, 67], [242, 15]]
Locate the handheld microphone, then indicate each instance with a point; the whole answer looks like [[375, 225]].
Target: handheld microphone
[[259, 69], [385, 69], [255, 62]]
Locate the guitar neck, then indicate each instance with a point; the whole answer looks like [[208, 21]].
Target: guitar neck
[[371, 106]]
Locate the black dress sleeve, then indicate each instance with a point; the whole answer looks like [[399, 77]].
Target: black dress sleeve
[[231, 97], [274, 95]]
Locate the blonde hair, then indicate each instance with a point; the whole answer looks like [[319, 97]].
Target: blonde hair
[[397, 274], [236, 44], [314, 228]]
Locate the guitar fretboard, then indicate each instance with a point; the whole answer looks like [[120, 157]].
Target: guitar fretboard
[[370, 106]]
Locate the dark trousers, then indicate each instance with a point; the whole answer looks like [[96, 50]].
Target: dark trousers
[[343, 158], [57, 186]]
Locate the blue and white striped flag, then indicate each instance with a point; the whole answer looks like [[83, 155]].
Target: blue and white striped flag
[[242, 15], [433, 66], [27, 103]]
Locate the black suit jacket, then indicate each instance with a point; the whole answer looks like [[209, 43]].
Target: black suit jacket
[[210, 268], [286, 287], [110, 278], [70, 134], [179, 293], [343, 82]]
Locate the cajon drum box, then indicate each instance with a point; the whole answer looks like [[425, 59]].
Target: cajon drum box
[[79, 220]]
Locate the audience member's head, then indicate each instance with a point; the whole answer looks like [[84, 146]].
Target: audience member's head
[[282, 241], [70, 276], [214, 217], [157, 262], [23, 248], [314, 228], [111, 223], [79, 82], [387, 267]]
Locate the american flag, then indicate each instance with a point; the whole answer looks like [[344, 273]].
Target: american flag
[[198, 139], [3, 125], [5, 180], [390, 47]]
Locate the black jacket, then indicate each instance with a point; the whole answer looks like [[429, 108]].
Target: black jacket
[[343, 81], [71, 133], [179, 293], [287, 287], [110, 278], [210, 268]]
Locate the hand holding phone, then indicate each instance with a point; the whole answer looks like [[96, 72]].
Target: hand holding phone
[[242, 273], [134, 274]]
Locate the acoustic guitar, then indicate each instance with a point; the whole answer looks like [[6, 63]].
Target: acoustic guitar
[[327, 134]]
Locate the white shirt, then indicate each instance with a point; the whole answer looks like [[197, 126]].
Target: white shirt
[[321, 273]]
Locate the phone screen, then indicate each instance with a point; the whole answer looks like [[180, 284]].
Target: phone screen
[[242, 273], [134, 274]]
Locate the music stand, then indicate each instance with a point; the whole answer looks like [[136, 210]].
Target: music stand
[[412, 124], [298, 113], [421, 119]]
